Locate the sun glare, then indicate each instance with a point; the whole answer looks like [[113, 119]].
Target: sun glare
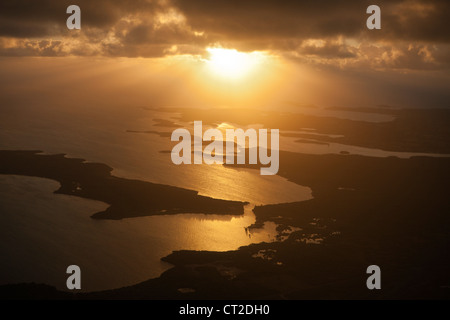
[[231, 63]]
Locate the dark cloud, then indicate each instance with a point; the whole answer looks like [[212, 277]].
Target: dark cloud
[[124, 28], [327, 50], [414, 33], [265, 19], [45, 48], [40, 18], [274, 20]]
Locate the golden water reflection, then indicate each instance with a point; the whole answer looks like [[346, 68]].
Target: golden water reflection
[[43, 233]]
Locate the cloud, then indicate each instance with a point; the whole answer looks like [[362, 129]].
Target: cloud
[[265, 19], [327, 49], [43, 18], [414, 33], [110, 28]]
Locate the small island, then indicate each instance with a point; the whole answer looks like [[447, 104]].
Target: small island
[[127, 198]]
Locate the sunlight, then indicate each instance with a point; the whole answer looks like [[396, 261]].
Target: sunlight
[[230, 63]]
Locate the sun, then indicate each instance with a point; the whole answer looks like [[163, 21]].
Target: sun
[[230, 63]]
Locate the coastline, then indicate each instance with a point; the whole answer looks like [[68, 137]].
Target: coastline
[[357, 217], [127, 198]]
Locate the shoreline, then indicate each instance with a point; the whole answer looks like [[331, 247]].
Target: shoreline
[[127, 198], [364, 210]]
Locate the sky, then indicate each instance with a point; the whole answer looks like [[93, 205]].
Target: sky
[[307, 52]]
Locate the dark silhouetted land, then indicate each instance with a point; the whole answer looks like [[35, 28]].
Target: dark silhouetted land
[[127, 198], [390, 212], [385, 211]]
